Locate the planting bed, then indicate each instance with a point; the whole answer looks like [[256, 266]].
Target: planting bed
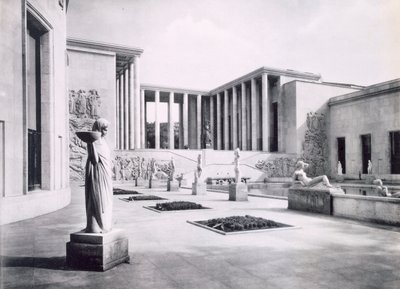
[[240, 224], [118, 191], [142, 198], [175, 206]]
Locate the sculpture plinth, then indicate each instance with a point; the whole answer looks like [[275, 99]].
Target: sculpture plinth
[[199, 188], [238, 192], [97, 252]]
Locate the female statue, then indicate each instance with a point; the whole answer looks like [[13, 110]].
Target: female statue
[[98, 182], [300, 175], [236, 165], [199, 168], [369, 169]]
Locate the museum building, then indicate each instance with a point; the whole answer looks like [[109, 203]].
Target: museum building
[[59, 85]]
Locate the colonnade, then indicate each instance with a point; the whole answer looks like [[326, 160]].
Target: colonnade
[[241, 117], [190, 117], [239, 114], [129, 112]]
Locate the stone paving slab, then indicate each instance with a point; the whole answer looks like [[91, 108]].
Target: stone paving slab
[[167, 252]]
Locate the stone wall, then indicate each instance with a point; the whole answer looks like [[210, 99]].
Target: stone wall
[[51, 18], [373, 111], [312, 123]]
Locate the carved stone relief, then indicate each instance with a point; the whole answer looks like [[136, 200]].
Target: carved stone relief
[[315, 145], [279, 167], [128, 167], [83, 111]]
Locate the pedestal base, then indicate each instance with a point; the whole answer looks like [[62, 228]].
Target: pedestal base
[[238, 192], [340, 178], [97, 252], [369, 179], [199, 188], [172, 186]]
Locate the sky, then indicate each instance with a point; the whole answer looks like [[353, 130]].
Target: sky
[[202, 44]]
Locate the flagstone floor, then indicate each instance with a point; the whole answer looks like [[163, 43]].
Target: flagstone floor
[[167, 252]]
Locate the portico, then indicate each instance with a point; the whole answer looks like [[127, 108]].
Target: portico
[[173, 117], [244, 112]]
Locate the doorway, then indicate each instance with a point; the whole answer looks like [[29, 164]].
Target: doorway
[[33, 76], [394, 152], [365, 151], [341, 152]]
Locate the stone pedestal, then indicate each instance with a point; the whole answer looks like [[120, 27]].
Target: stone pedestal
[[340, 178], [238, 192], [312, 199], [369, 179], [172, 186], [199, 188], [97, 252]]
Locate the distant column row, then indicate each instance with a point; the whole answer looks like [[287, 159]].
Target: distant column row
[[129, 115], [183, 125], [241, 117]]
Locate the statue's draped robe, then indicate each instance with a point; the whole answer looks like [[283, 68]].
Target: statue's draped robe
[[98, 188]]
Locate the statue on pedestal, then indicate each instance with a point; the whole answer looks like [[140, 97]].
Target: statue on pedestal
[[369, 169], [339, 168], [198, 170], [98, 246], [301, 176], [207, 142], [171, 169], [236, 163]]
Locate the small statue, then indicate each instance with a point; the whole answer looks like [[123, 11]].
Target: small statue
[[339, 169], [171, 169], [236, 165], [179, 178], [369, 169], [199, 170], [207, 142], [300, 175]]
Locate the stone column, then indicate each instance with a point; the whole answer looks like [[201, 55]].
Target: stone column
[[156, 120], [198, 114], [226, 120], [219, 132], [131, 108], [142, 119], [117, 144], [171, 139], [212, 119], [265, 112], [136, 99], [234, 119], [253, 115], [121, 111], [126, 110], [185, 120], [244, 117]]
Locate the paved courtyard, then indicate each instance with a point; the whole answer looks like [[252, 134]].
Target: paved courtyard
[[167, 252]]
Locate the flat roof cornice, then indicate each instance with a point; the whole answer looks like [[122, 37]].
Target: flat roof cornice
[[370, 91], [270, 71], [118, 49], [173, 89]]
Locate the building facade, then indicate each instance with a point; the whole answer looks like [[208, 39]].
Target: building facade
[[56, 86], [34, 177]]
